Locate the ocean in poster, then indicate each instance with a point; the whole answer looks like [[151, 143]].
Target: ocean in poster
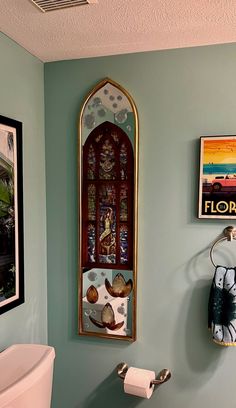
[[222, 168]]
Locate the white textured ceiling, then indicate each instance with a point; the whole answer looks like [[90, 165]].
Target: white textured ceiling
[[117, 26]]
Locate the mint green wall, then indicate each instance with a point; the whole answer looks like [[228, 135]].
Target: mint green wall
[[22, 98], [181, 95]]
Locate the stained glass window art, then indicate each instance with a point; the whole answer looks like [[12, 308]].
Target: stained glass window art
[[98, 138], [91, 202], [115, 137], [107, 194], [91, 163], [123, 162], [107, 235], [123, 244], [108, 197], [107, 238], [91, 243], [107, 161], [124, 202]]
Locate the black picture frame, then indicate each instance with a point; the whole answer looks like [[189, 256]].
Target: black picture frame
[[11, 215]]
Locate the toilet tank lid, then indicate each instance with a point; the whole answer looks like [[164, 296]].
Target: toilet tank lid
[[21, 365]]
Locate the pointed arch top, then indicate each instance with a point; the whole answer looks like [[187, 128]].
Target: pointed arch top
[[109, 101]]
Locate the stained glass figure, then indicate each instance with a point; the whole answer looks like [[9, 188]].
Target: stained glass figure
[[123, 244], [91, 243], [107, 236], [91, 163], [123, 162], [91, 202], [124, 202], [107, 161]]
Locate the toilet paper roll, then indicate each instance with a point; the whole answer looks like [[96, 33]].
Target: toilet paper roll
[[138, 382]]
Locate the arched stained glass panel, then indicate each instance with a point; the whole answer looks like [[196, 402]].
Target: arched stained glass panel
[[108, 157]]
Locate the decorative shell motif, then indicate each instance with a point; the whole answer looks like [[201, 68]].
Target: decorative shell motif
[[107, 319], [119, 287], [92, 294]]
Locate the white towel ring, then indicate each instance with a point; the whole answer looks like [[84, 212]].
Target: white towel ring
[[229, 234]]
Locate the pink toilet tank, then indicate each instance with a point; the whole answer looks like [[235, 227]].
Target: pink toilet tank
[[26, 376]]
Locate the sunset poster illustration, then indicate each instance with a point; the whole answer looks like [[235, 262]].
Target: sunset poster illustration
[[217, 183]]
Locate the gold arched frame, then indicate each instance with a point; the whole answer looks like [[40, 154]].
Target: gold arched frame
[[135, 215]]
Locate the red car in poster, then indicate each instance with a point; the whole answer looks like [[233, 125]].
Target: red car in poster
[[224, 182]]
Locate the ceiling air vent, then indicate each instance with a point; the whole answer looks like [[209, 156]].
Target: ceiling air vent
[[50, 5]]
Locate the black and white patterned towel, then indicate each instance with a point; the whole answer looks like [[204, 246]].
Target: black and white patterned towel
[[222, 306]]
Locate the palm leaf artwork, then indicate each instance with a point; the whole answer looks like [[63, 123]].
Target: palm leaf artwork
[[7, 275], [4, 198], [7, 201], [11, 215], [8, 288]]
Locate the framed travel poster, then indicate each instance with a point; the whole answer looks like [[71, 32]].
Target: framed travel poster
[[11, 215], [108, 177], [217, 183]]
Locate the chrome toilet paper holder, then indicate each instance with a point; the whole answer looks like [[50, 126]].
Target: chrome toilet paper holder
[[163, 376]]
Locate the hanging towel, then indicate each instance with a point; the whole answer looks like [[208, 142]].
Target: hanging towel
[[222, 306]]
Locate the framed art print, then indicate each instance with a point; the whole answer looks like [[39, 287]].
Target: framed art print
[[217, 181], [11, 215]]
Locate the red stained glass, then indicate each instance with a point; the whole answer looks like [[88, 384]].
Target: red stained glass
[[124, 244], [123, 162], [107, 194], [107, 202], [107, 235], [91, 163], [91, 243], [124, 202], [107, 225], [91, 202], [107, 161]]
